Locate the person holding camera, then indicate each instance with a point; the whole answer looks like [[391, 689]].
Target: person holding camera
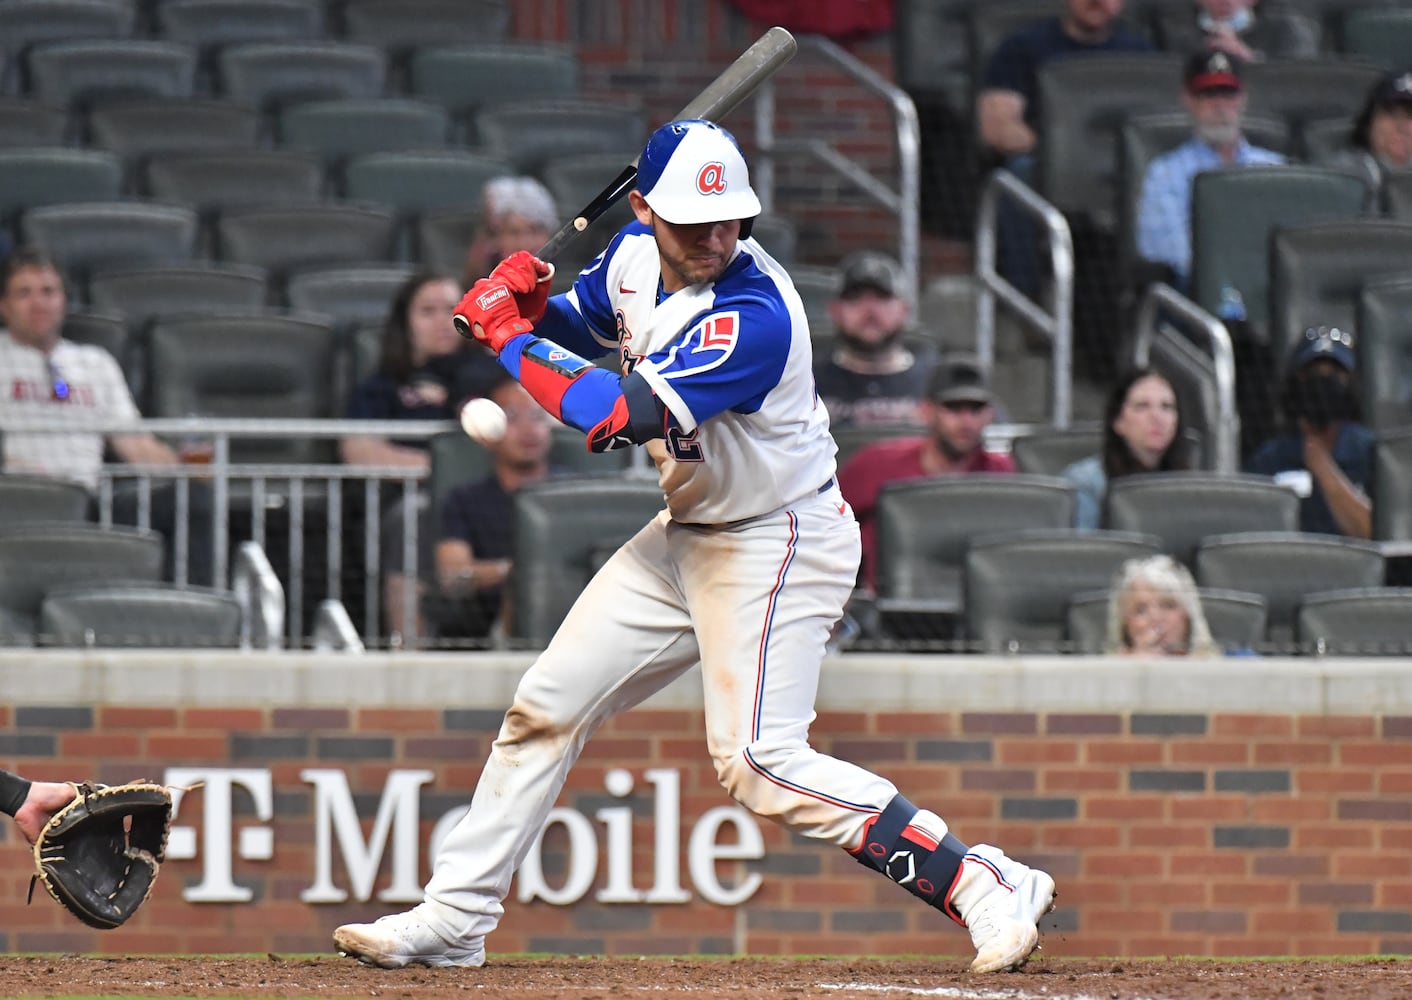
[[1326, 453]]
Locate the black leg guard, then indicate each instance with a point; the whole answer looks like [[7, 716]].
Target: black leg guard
[[927, 872]]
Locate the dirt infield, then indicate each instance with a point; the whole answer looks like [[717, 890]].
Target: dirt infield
[[708, 979]]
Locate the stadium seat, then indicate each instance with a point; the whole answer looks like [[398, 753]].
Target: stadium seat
[[141, 616], [42, 557], [1379, 35], [246, 366], [463, 77], [1317, 273], [211, 25], [1392, 487], [559, 526], [1384, 326], [142, 295], [26, 122], [219, 180], [401, 26], [272, 75], [82, 74], [16, 630], [1233, 213], [1017, 586], [135, 130], [1083, 103], [1050, 452], [283, 240], [1322, 138], [531, 134], [1371, 621], [1284, 567], [853, 438], [85, 237], [1397, 196], [337, 130], [1173, 24], [925, 526], [816, 286], [24, 23], [350, 296], [1300, 90], [1182, 508], [1236, 619], [414, 183], [50, 174], [1144, 137], [41, 498], [443, 238]]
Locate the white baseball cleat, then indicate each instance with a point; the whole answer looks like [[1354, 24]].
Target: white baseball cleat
[[401, 939], [1004, 917]]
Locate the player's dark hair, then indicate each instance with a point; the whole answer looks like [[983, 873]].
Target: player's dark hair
[[396, 361], [30, 255], [1118, 458]]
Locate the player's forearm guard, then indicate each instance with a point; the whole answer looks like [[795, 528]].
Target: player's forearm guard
[[925, 871], [547, 371], [13, 792]]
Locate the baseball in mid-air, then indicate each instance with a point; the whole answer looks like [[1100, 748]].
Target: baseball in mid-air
[[483, 420]]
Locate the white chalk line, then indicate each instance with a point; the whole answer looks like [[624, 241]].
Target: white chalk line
[[954, 993]]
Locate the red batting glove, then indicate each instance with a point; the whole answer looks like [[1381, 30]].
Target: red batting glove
[[490, 311], [528, 278]]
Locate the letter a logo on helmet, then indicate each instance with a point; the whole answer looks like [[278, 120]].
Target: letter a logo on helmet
[[692, 171], [712, 179]]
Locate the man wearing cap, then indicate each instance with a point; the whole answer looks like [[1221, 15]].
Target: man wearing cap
[[957, 408], [1215, 98], [871, 377], [1326, 455]]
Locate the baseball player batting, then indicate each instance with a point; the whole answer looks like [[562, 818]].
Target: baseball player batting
[[744, 573]]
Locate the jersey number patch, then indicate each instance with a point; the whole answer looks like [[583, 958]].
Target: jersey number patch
[[683, 446]]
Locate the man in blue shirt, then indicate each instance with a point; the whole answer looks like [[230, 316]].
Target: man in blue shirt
[[1326, 455], [1215, 98]]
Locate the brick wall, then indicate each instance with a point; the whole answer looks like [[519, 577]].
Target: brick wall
[[659, 55], [1213, 832]]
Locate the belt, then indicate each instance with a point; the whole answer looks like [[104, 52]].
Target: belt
[[828, 485]]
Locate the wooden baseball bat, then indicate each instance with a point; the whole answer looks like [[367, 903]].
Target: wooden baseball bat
[[720, 97]]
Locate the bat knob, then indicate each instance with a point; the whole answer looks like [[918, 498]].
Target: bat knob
[[462, 327]]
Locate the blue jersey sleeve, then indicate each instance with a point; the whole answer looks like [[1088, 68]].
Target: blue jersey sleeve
[[728, 358]]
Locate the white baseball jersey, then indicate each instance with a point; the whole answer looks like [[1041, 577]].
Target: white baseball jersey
[[91, 386], [733, 363]]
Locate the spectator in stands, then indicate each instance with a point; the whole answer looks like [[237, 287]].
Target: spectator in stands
[[53, 382], [1155, 610], [32, 803], [518, 214], [1326, 454], [426, 372], [477, 538], [1215, 98], [871, 377], [1142, 432], [957, 408], [1245, 29], [1007, 107], [1381, 141]]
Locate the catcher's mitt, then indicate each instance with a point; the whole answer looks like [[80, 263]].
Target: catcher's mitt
[[99, 855]]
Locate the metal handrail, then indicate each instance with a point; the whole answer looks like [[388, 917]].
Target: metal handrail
[[1183, 312], [333, 630], [904, 202], [1057, 325], [261, 597]]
